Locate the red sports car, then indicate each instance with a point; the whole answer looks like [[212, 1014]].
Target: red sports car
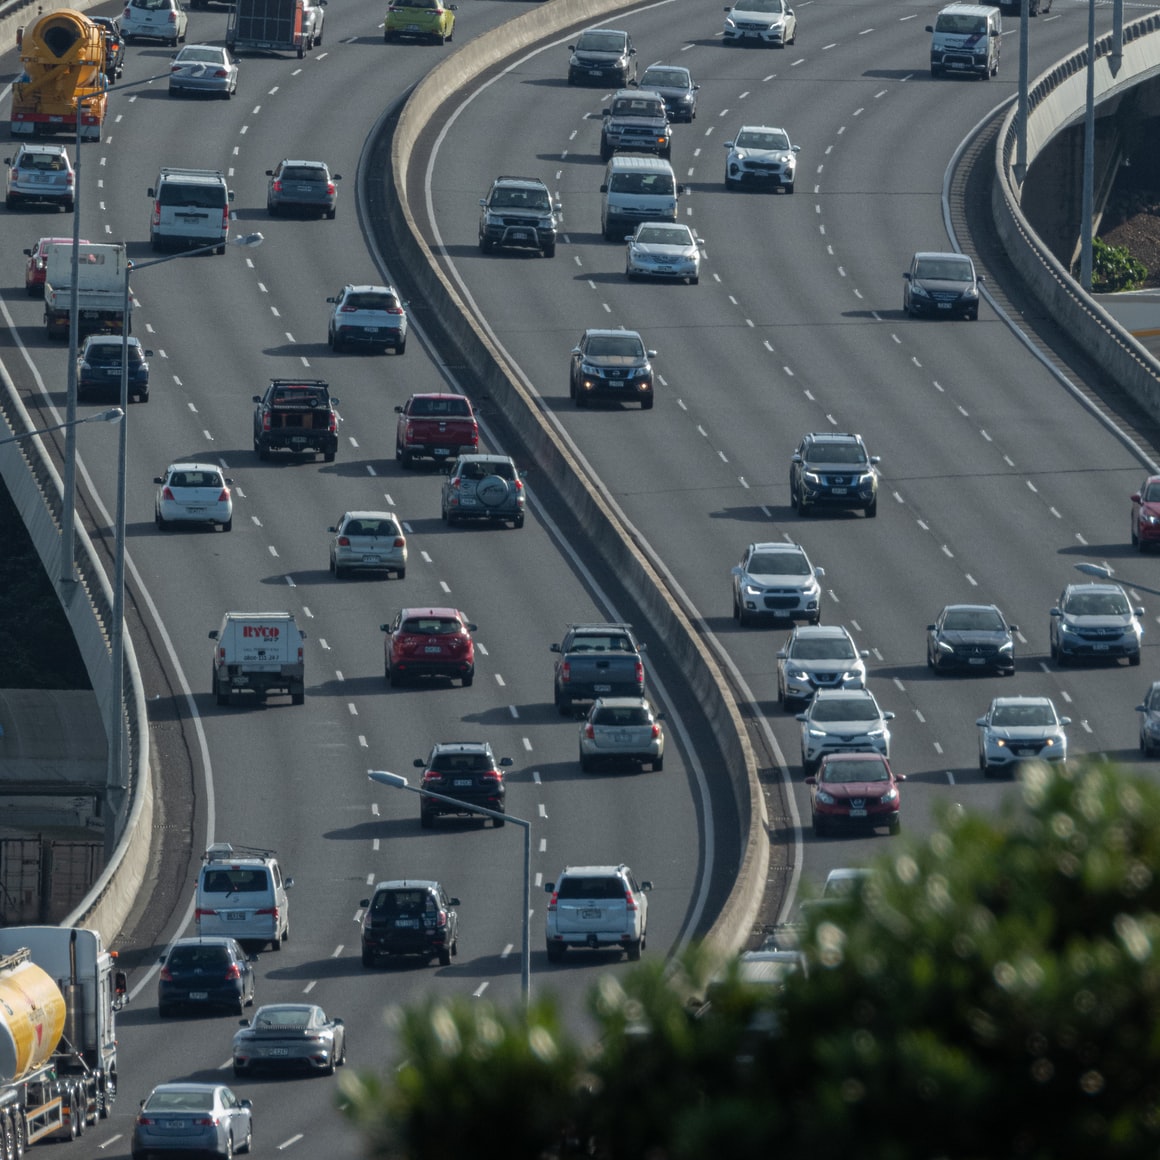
[[37, 264], [429, 642], [855, 791], [1146, 513]]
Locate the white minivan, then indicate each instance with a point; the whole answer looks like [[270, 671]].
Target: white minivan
[[966, 38], [191, 207], [241, 894], [637, 189]]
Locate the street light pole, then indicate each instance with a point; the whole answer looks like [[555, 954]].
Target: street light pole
[[397, 781]]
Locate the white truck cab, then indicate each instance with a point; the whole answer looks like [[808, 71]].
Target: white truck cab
[[258, 652]]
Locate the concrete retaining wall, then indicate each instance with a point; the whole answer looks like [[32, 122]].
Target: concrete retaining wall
[[614, 538]]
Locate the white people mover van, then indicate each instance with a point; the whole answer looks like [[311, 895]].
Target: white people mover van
[[966, 38], [241, 894]]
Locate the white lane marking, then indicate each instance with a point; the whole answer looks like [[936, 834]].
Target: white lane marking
[[444, 585], [499, 680], [114, 1139], [479, 990], [293, 1140], [527, 744], [542, 810], [273, 550], [353, 708], [309, 987], [514, 712]]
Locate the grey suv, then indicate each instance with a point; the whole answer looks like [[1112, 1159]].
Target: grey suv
[[833, 469], [41, 173], [601, 55], [1095, 621], [483, 487], [636, 121], [611, 364], [519, 213]]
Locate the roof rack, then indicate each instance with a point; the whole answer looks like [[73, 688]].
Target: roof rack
[[224, 852]]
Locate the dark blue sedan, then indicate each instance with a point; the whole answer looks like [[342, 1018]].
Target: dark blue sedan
[[99, 367]]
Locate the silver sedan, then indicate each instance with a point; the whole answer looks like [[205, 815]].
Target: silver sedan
[[663, 250], [290, 1035], [368, 541], [203, 68], [192, 1117], [622, 730]]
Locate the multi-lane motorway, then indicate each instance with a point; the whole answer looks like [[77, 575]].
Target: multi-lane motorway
[[996, 481]]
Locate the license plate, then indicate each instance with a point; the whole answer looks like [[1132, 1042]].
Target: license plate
[[622, 738], [199, 994], [976, 660], [194, 510], [372, 329], [372, 559], [407, 922], [519, 235], [442, 450], [857, 813], [602, 688], [590, 913], [432, 648], [462, 781], [666, 269], [297, 438], [235, 915], [1100, 647], [175, 1123], [944, 306], [594, 72], [1026, 751], [839, 490], [277, 1051], [412, 28]]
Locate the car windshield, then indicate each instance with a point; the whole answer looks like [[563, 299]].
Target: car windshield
[[580, 887], [1152, 493], [180, 1101], [633, 715], [432, 626], [195, 479], [110, 352], [197, 196], [944, 269], [601, 42], [843, 772], [444, 407], [973, 620], [50, 162], [588, 643], [462, 763], [844, 709], [472, 470], [961, 25], [762, 139], [653, 184], [779, 564], [303, 173], [665, 236], [520, 199], [370, 526], [638, 107], [668, 78], [283, 1017], [1023, 715], [830, 649], [380, 302], [615, 346], [235, 881], [759, 6], [1097, 604], [208, 55], [199, 956], [400, 902], [835, 453]]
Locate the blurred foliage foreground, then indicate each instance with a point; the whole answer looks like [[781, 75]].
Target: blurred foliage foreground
[[992, 993]]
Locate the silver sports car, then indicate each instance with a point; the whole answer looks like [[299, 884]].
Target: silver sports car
[[290, 1035]]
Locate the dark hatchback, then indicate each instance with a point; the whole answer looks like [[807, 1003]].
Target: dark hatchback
[[941, 286], [676, 87], [410, 917], [205, 972], [99, 367], [466, 771], [971, 636]]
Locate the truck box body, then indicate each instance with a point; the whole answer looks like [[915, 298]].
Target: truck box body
[[62, 60], [59, 994], [259, 652], [100, 293], [267, 26]]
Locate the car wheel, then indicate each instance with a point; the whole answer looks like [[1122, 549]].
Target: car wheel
[[871, 509], [497, 822], [401, 347], [162, 524], [788, 188], [930, 661], [330, 213], [400, 573], [556, 952], [803, 508], [518, 522], [658, 764], [585, 763], [816, 619], [426, 820], [328, 456], [444, 953], [336, 343], [228, 1152], [581, 400], [1054, 650], [298, 698], [895, 828], [1062, 658], [695, 280], [1145, 748], [633, 949], [69, 206], [550, 250], [605, 151], [164, 1011], [1135, 538], [368, 959], [819, 828], [563, 705], [468, 679], [484, 245], [646, 404], [228, 525], [238, 1072], [1134, 659], [247, 1144]]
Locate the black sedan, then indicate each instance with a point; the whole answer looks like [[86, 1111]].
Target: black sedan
[[284, 1036], [941, 286], [677, 89], [971, 636], [114, 45]]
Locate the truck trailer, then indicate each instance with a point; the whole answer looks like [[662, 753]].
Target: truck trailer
[[63, 63], [60, 993]]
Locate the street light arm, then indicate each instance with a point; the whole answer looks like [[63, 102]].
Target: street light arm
[[397, 781], [113, 415], [245, 241]]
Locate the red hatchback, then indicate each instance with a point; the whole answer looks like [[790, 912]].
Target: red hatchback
[[1146, 513], [855, 791], [37, 264], [429, 642]]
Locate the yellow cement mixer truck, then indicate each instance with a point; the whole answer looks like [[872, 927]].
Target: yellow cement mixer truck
[[59, 995], [62, 61]]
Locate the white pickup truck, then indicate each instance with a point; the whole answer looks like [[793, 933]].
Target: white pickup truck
[[258, 652], [100, 289], [599, 907]]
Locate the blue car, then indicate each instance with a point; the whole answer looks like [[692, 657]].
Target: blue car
[[99, 367]]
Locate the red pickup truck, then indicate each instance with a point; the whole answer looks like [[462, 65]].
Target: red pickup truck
[[439, 427]]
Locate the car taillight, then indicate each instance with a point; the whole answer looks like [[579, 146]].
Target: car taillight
[[221, 72], [157, 213], [173, 18], [225, 494], [344, 541], [277, 186], [330, 188], [552, 900], [519, 486], [166, 975], [266, 421], [629, 901], [143, 1119], [268, 910], [234, 972], [348, 309], [300, 654], [656, 731], [394, 310], [432, 777], [441, 919], [205, 1122], [409, 431], [492, 775], [400, 542], [333, 425], [166, 493], [226, 219], [69, 178], [639, 673], [199, 913], [565, 673], [590, 732], [475, 433], [221, 657]]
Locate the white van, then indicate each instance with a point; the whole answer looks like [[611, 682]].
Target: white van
[[966, 38], [241, 894], [191, 207], [637, 189], [259, 653]]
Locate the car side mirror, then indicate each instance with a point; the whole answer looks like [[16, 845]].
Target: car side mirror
[[454, 902], [483, 203], [1134, 497], [781, 654], [364, 902], [651, 353], [549, 887], [213, 635], [681, 190], [1065, 720], [900, 777], [819, 572], [257, 398], [980, 277], [473, 628], [269, 173], [1138, 611], [336, 177], [148, 354], [159, 479], [229, 195], [982, 721], [799, 716], [332, 530], [252, 958], [148, 193], [332, 299], [928, 28], [289, 883], [555, 648], [1141, 709], [1055, 612], [418, 763], [160, 960], [603, 189], [888, 715], [505, 763], [863, 652], [243, 1023], [606, 112], [811, 780], [1012, 628], [875, 459], [642, 647], [246, 1103], [932, 628], [906, 275], [28, 254], [646, 886]]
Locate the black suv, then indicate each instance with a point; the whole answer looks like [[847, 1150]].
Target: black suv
[[611, 364], [466, 771], [833, 469], [410, 917], [205, 972], [519, 213]]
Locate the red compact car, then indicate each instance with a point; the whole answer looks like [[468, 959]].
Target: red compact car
[[37, 264], [1146, 513], [429, 642], [854, 791]]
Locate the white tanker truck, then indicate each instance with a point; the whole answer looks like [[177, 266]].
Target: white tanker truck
[[59, 995]]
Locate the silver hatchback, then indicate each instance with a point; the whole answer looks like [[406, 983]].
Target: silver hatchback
[[368, 541], [622, 730], [305, 186]]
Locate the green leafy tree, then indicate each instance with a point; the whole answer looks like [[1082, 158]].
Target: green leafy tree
[[993, 992], [1114, 269]]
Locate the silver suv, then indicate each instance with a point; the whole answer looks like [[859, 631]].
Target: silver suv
[[818, 656], [597, 907], [40, 173], [483, 487], [519, 213], [1095, 621], [636, 121], [777, 580]]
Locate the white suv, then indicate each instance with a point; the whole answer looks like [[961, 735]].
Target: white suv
[[777, 580], [597, 907], [368, 316], [843, 721], [818, 656], [164, 20]]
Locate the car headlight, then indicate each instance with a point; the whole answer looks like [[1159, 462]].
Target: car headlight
[[797, 675], [1148, 518], [729, 22], [812, 476], [943, 646], [1007, 647], [891, 795], [827, 799], [752, 590], [879, 732], [812, 590], [816, 732], [1065, 627], [852, 675], [865, 478], [918, 289], [997, 741], [971, 292], [85, 366], [1051, 741]]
